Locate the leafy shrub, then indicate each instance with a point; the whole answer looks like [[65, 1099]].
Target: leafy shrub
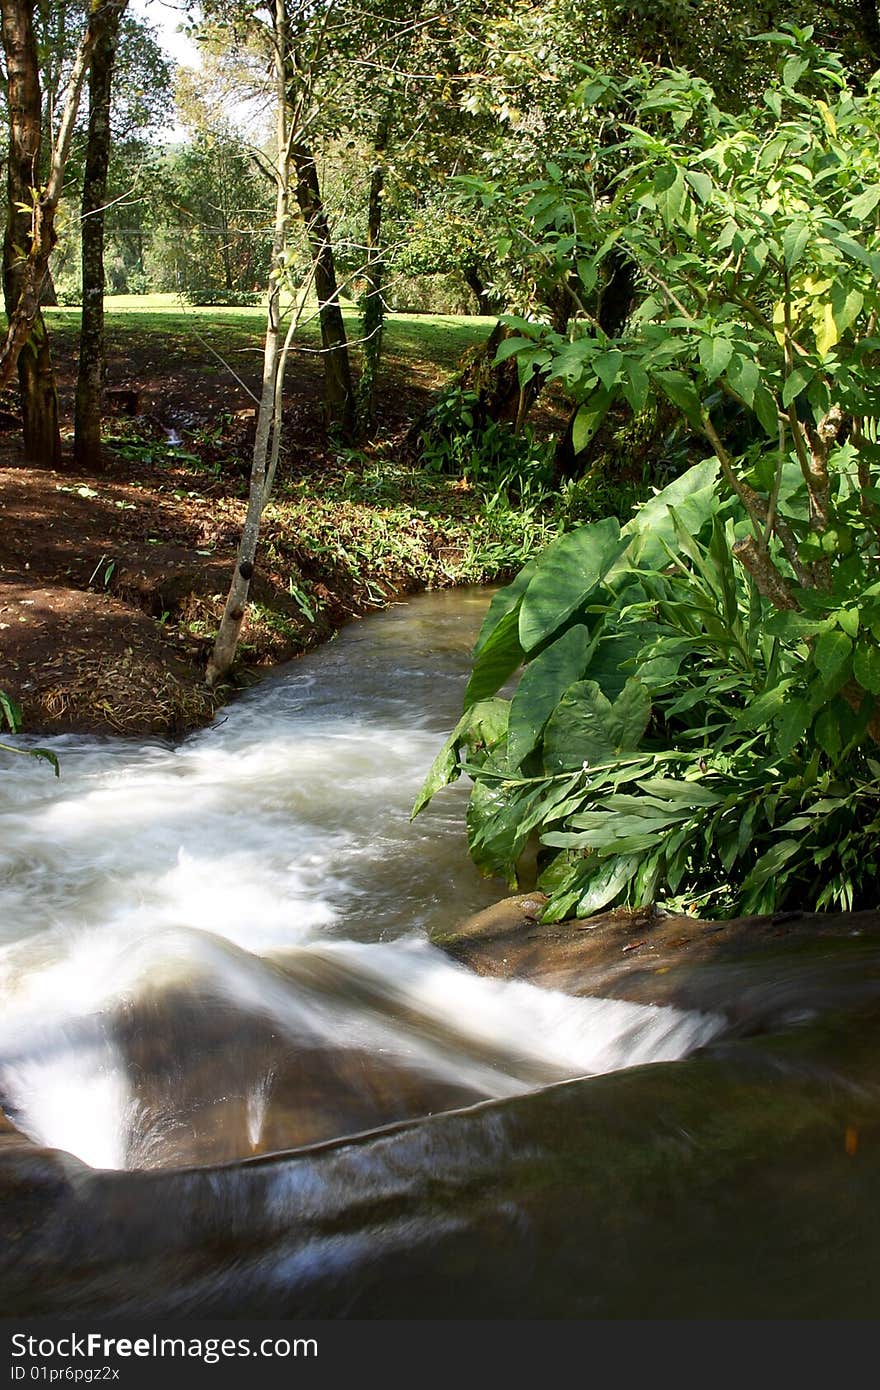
[[216, 298], [698, 716], [653, 742], [431, 294], [492, 457], [138, 282]]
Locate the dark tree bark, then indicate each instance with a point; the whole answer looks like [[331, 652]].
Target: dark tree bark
[[30, 225], [475, 284], [614, 308], [870, 27], [500, 396], [339, 404], [48, 294], [90, 382], [39, 399]]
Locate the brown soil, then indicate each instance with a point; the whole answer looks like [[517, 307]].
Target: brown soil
[[104, 575]]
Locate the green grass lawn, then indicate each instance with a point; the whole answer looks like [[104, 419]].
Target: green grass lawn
[[438, 340]]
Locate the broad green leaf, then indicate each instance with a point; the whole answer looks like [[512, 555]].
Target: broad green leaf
[[481, 728], [504, 601], [831, 653], [610, 655], [864, 203], [498, 658], [852, 249], [567, 574], [827, 732], [542, 685], [715, 353], [792, 725], [701, 184], [682, 392], [606, 367], [795, 239], [846, 305], [637, 386], [797, 382], [670, 193], [586, 727], [766, 411], [694, 498], [631, 711], [744, 376], [510, 347], [443, 770], [580, 729], [826, 330], [866, 667], [494, 824], [793, 70], [588, 419]]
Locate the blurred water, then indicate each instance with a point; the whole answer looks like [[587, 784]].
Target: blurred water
[[220, 948]]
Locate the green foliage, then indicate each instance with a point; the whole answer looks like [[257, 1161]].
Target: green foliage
[[218, 298], [493, 458], [10, 715], [650, 743], [745, 606]]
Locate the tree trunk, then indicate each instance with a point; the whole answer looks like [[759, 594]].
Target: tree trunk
[[339, 408], [500, 397], [30, 226], [268, 415], [39, 400], [870, 27], [373, 321], [614, 308], [90, 382], [474, 282], [48, 294]]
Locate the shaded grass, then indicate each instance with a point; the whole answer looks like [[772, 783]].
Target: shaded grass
[[436, 340]]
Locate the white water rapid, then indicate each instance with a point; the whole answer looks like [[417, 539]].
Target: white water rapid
[[220, 948]]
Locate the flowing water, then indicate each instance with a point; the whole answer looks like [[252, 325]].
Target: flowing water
[[254, 1088], [220, 948]]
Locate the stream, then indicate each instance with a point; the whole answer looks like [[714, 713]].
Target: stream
[[253, 1088]]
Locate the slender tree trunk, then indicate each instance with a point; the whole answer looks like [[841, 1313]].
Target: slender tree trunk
[[226, 642], [90, 382], [373, 320], [39, 400], [339, 406]]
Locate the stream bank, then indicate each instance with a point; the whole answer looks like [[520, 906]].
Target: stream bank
[[112, 584]]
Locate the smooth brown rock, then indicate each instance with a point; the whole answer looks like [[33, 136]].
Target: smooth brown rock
[[649, 956]]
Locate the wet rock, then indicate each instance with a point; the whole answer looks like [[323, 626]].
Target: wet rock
[[758, 971], [693, 1189]]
